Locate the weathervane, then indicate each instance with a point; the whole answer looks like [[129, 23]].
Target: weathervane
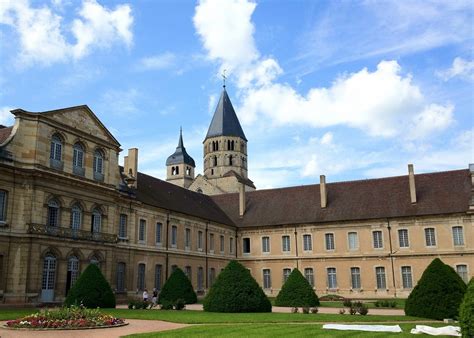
[[224, 77]]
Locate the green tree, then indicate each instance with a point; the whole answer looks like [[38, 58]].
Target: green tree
[[178, 286], [297, 292], [235, 290], [91, 289], [438, 294], [466, 311]]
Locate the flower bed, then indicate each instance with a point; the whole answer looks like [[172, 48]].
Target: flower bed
[[69, 318]]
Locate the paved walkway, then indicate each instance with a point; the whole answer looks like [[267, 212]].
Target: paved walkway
[[135, 326], [333, 310]]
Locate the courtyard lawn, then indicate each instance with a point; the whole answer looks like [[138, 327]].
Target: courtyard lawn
[[9, 314], [273, 330]]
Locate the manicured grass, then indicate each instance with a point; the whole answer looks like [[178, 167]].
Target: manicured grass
[[201, 317], [271, 330]]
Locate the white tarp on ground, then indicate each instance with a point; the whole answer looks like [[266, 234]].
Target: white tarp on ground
[[437, 331], [370, 328]]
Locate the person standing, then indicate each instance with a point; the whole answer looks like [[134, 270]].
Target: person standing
[[145, 295], [154, 299]]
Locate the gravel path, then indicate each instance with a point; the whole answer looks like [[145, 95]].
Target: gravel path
[[135, 326]]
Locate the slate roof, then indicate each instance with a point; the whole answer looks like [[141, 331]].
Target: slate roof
[[156, 192], [437, 193], [225, 121], [5, 133], [180, 155]]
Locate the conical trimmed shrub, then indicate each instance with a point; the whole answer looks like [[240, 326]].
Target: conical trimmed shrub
[[297, 292], [178, 286], [438, 294], [466, 312], [91, 290], [235, 290]]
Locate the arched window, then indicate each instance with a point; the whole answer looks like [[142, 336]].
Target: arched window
[[98, 165], [96, 221], [177, 170], [76, 217], [173, 171], [49, 276], [232, 145], [56, 148], [53, 213], [228, 144], [188, 171], [72, 272], [78, 155], [215, 161], [199, 190], [95, 260], [230, 160]]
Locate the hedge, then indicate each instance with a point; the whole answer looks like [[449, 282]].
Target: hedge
[[466, 312], [178, 286], [438, 293], [235, 290], [297, 292], [91, 290]]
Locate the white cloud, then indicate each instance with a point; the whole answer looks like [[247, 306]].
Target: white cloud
[[327, 138], [6, 118], [461, 68], [433, 118], [157, 62], [123, 103], [42, 32], [211, 104]]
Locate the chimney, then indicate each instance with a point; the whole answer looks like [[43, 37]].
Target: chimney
[[411, 179], [242, 200], [471, 201], [323, 191], [131, 167]]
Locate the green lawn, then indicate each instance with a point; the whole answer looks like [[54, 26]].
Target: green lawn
[[200, 317], [271, 330]]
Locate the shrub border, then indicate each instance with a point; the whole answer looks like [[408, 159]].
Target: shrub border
[[63, 329]]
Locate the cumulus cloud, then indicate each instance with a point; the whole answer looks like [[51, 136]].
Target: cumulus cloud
[[461, 68], [157, 62], [6, 118], [42, 31]]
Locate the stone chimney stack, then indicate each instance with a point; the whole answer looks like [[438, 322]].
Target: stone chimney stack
[[411, 180], [471, 201], [323, 191], [242, 201], [131, 167]]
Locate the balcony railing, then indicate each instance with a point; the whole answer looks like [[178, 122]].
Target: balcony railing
[[60, 232]]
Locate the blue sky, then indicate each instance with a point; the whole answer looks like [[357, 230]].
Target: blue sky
[[349, 89]]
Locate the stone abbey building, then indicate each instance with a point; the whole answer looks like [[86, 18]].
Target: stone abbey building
[[65, 202]]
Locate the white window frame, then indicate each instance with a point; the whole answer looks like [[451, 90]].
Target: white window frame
[[379, 287], [267, 283], [211, 242], [76, 217], [403, 273], [466, 280], [187, 238], [331, 235], [332, 279], [222, 244], [285, 243], [356, 246], [267, 246], [78, 155], [358, 277], [122, 231], [231, 245], [377, 242], [286, 272], [174, 236], [200, 240], [243, 246], [432, 239], [407, 239], [309, 277], [307, 245], [142, 230], [458, 239], [158, 234]]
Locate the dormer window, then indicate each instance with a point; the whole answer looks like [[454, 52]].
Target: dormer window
[[98, 165], [56, 152], [78, 159]]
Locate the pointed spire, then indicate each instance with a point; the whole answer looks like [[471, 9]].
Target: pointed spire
[[180, 142], [180, 155]]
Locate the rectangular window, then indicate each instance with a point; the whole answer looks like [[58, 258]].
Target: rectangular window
[[3, 206], [120, 277], [403, 238], [458, 236], [200, 279], [187, 238], [158, 274], [141, 277], [200, 237], [231, 245], [211, 242], [222, 245], [355, 278], [158, 232], [461, 269], [380, 277], [246, 245], [123, 226], [329, 241], [267, 280], [142, 230], [266, 244], [212, 276], [187, 272], [307, 243], [286, 274], [377, 239], [285, 243], [430, 237], [332, 279], [406, 277], [174, 236], [309, 275], [353, 240]]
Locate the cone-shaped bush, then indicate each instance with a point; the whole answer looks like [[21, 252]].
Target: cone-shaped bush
[[91, 289], [438, 294], [297, 292], [466, 312], [235, 290], [177, 287]]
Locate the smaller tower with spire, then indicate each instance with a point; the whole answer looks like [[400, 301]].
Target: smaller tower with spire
[[180, 166]]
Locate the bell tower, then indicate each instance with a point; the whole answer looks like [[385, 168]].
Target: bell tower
[[180, 166]]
